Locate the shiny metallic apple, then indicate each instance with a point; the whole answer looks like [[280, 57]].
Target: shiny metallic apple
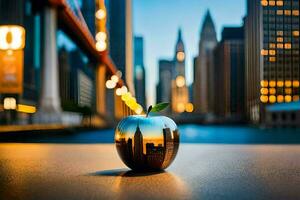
[[147, 143]]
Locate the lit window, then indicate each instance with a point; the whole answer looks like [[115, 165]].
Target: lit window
[[279, 83], [296, 98], [288, 91], [272, 99], [272, 59], [279, 12], [280, 98], [295, 83], [180, 56], [264, 3], [264, 52], [288, 83], [287, 45], [272, 83], [272, 3], [272, 91], [272, 52], [287, 12], [295, 12], [264, 91], [280, 46], [279, 32], [296, 33], [180, 81], [264, 83], [272, 45], [264, 98], [279, 3], [287, 98], [279, 39]]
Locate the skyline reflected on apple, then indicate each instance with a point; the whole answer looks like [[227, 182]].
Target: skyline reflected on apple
[[147, 143]]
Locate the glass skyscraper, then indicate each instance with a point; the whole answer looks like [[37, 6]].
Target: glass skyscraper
[[272, 54]]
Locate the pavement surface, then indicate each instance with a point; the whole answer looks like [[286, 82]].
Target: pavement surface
[[200, 171]]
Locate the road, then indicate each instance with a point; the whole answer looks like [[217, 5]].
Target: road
[[83, 170]]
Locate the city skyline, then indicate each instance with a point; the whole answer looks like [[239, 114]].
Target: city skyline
[[160, 35]]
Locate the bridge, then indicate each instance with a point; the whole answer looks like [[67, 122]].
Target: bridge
[[59, 14]]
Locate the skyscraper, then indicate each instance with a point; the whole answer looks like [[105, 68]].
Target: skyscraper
[[138, 146], [229, 75], [139, 71], [120, 38], [180, 94], [272, 54], [203, 70], [163, 90]]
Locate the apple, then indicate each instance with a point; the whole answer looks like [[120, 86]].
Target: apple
[[147, 142]]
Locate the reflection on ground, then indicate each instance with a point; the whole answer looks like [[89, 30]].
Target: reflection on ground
[[134, 185]]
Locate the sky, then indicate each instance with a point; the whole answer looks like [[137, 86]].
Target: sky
[[158, 22]]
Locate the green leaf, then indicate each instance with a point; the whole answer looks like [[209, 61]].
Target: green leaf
[[159, 107]]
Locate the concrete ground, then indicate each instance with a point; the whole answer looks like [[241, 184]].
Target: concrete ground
[[200, 171]]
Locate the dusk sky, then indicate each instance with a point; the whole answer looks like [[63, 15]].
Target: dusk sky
[[158, 22]]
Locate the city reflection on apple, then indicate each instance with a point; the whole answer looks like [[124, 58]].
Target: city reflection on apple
[[147, 143]]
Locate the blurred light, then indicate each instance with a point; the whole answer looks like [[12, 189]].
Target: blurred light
[[272, 83], [264, 83], [119, 73], [264, 98], [124, 90], [272, 91], [189, 107], [264, 91], [279, 83], [288, 83], [180, 107], [115, 78], [10, 103], [100, 14], [180, 56], [288, 91], [139, 110], [125, 97], [279, 3], [272, 3], [118, 91], [101, 45], [26, 108], [101, 36], [180, 81], [287, 98], [264, 52], [12, 37], [287, 45], [296, 33], [110, 84], [272, 52], [295, 12], [296, 98], [280, 98], [264, 2], [272, 59], [295, 83], [272, 99], [280, 46]]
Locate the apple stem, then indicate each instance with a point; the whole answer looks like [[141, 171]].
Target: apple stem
[[149, 110]]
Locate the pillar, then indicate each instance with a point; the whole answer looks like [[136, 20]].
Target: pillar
[[49, 110]]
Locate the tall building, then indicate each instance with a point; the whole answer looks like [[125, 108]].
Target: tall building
[[203, 69], [165, 72], [180, 94], [120, 38], [229, 74], [138, 146], [272, 54], [139, 71]]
